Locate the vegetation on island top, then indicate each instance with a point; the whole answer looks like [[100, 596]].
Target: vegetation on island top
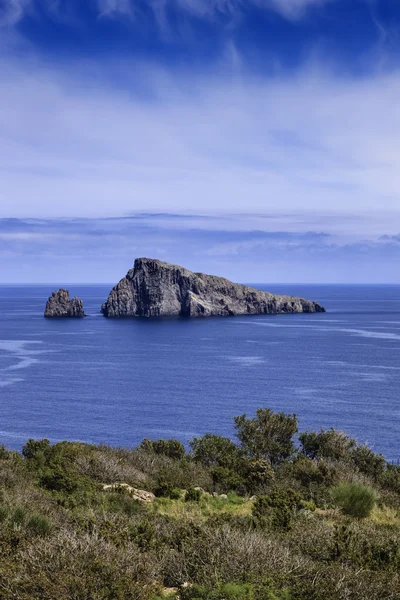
[[260, 519]]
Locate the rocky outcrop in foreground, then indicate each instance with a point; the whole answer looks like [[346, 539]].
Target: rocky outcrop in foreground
[[154, 288], [139, 495], [60, 305]]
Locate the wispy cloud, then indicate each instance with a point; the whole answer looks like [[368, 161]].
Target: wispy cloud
[[112, 8], [12, 11], [291, 9], [209, 9]]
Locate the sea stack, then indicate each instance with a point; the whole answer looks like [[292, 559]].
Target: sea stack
[[158, 289], [60, 305]]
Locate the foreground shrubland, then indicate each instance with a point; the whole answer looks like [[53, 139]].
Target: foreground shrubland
[[261, 519]]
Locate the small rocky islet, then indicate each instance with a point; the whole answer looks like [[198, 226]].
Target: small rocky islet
[[60, 305], [153, 288]]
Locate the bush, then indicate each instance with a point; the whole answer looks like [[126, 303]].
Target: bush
[[215, 451], [281, 506], [39, 525], [227, 479], [178, 473], [68, 567], [4, 454], [193, 495], [166, 490], [33, 448], [258, 472], [369, 463], [314, 472], [122, 503], [390, 479], [332, 444], [354, 499], [308, 505], [171, 448], [230, 591], [59, 480], [19, 515], [268, 436], [3, 513]]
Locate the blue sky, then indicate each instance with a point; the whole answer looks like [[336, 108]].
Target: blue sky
[[256, 139]]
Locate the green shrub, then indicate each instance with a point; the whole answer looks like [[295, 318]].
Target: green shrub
[[231, 591], [122, 503], [268, 436], [354, 499], [39, 525], [343, 541], [3, 513], [181, 474], [193, 495], [314, 472], [227, 479], [369, 463], [378, 555], [60, 480], [258, 473], [166, 490], [4, 454], [330, 443], [280, 506], [33, 448], [144, 535], [215, 451], [390, 478], [171, 448], [308, 505], [19, 515]]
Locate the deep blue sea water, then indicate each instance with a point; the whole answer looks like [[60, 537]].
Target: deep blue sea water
[[117, 381]]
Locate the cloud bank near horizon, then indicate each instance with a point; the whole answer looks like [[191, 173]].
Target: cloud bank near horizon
[[102, 250]]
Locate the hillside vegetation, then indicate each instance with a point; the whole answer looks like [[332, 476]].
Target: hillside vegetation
[[261, 519]]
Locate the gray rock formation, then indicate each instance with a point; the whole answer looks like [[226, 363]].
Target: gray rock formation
[[60, 305], [154, 288], [140, 495]]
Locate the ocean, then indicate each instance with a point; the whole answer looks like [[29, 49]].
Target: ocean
[[117, 381]]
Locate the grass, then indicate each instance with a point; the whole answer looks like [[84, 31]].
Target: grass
[[383, 515], [206, 508]]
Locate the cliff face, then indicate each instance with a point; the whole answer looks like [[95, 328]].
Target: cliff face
[[154, 288], [60, 305]]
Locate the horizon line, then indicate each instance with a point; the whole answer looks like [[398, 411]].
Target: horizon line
[[10, 284]]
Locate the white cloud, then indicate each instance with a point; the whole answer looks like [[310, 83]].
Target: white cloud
[[291, 9], [310, 144], [12, 11], [115, 8]]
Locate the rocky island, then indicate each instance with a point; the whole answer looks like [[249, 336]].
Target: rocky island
[[60, 305], [154, 289]]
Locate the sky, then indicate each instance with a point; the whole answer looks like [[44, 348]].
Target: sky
[[254, 139]]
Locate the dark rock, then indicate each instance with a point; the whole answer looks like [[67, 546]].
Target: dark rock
[[154, 288], [60, 305]]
